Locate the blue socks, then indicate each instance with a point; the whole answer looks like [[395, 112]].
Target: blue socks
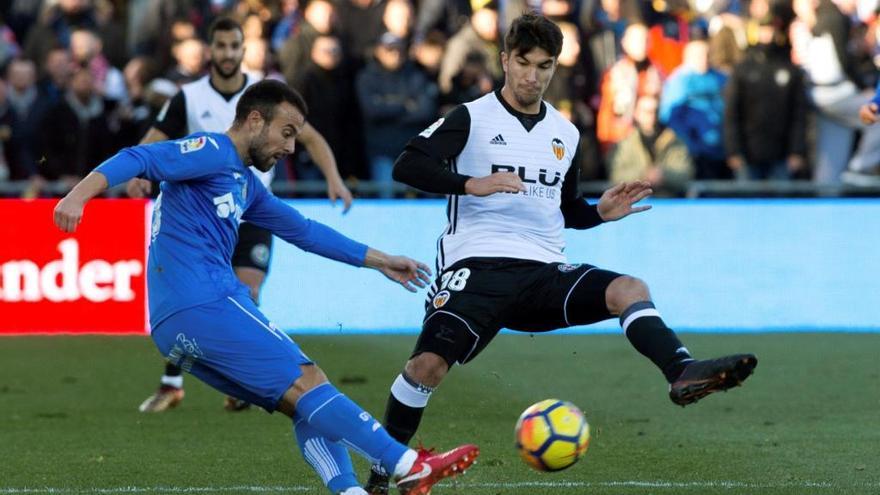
[[329, 459], [334, 416]]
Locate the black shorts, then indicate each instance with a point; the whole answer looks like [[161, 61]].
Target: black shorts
[[488, 294], [254, 248]]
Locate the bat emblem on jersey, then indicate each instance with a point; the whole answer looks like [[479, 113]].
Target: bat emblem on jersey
[[440, 299], [558, 148]]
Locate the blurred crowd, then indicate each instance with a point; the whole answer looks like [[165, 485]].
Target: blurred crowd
[[669, 90]]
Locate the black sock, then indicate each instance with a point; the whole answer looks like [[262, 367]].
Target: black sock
[[650, 336], [172, 370], [401, 420]]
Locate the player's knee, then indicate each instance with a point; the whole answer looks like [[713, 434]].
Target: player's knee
[[624, 291], [427, 369], [312, 376]]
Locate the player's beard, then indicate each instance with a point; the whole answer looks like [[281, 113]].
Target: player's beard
[[218, 68], [259, 158], [527, 99]]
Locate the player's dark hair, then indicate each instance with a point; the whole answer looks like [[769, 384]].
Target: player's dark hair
[[530, 31], [223, 24], [263, 97]]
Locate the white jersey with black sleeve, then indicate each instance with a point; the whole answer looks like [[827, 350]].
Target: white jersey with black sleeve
[[487, 136], [200, 107]]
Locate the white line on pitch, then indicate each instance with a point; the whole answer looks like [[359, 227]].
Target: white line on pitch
[[472, 485]]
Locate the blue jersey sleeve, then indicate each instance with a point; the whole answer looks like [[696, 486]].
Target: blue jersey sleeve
[[190, 158], [271, 213], [876, 99]]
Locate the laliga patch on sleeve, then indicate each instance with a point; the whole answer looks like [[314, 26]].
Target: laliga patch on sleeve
[[433, 127], [192, 144]]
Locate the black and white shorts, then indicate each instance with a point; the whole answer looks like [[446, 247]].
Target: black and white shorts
[[488, 294], [254, 248]]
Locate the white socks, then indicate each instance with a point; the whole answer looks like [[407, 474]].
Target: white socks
[[172, 381], [405, 463]]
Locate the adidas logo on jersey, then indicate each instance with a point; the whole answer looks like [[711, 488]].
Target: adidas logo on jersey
[[498, 140]]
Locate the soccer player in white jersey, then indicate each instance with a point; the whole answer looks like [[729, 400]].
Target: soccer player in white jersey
[[505, 162], [208, 104]]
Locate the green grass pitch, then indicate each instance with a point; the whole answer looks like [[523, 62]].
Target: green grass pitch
[[807, 421]]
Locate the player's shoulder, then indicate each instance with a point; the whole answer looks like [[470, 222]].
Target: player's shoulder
[[200, 144], [563, 124], [198, 84], [486, 101]]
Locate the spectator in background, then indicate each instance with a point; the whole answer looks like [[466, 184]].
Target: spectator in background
[[9, 48], [135, 114], [603, 26], [726, 42], [253, 27], [360, 25], [446, 16], [569, 91], [692, 104], [397, 18], [319, 18], [291, 15], [327, 88], [5, 132], [428, 53], [75, 134], [190, 56], [397, 101], [651, 152], [471, 82], [56, 25], [56, 73], [765, 111], [28, 109], [111, 31], [86, 50], [257, 61], [822, 38], [479, 36], [628, 79]]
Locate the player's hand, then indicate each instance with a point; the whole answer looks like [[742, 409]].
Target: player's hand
[[138, 188], [507, 182], [68, 213], [620, 200], [868, 113], [407, 272], [795, 163], [338, 190]]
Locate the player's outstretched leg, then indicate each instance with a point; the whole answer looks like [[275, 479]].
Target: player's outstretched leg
[[689, 380], [405, 407], [329, 459], [335, 417], [701, 378], [170, 391]]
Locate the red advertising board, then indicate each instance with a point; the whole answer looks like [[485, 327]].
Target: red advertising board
[[91, 281]]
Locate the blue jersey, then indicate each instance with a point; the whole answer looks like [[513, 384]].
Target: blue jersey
[[206, 192]]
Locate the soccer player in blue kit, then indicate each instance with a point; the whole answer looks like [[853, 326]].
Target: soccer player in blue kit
[[204, 319]]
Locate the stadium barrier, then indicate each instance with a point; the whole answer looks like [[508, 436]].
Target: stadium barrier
[[712, 265]]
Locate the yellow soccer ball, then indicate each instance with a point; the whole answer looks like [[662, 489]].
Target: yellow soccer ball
[[552, 435]]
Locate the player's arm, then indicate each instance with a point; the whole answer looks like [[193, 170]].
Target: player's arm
[[170, 122], [577, 212], [616, 203], [159, 161], [323, 157], [424, 162], [271, 213], [868, 111]]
